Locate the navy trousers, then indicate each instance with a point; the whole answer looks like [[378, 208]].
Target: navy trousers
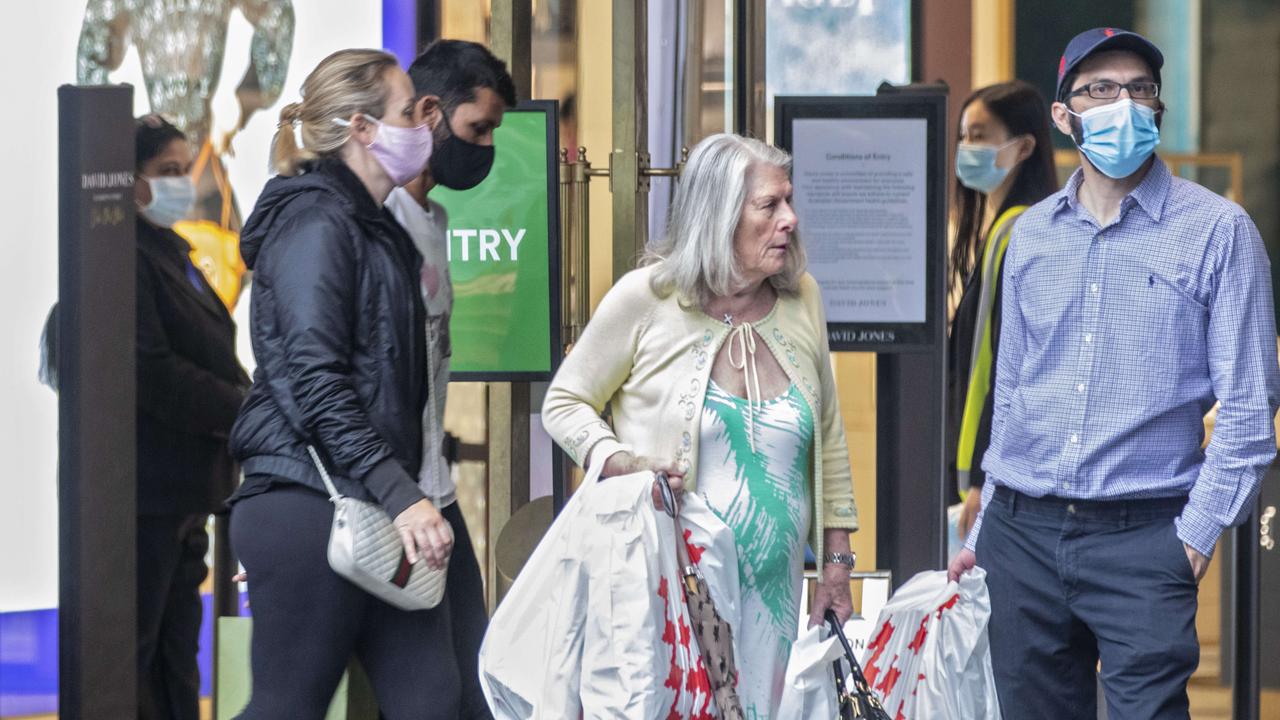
[[1073, 583], [171, 567], [469, 618]]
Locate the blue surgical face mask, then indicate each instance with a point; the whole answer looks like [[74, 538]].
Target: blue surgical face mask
[[1118, 137], [976, 166], [171, 200]]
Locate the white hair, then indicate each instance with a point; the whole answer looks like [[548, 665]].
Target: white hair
[[695, 257]]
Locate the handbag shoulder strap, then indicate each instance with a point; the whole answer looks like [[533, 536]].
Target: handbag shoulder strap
[[687, 569], [334, 495]]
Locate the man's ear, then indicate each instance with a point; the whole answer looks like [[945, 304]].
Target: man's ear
[[426, 109], [1061, 118]]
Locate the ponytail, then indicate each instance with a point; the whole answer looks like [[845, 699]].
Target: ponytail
[[286, 156]]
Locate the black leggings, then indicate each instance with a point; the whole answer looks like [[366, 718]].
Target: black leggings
[[308, 621]]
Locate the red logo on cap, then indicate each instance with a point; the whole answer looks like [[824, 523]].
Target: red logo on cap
[[1062, 65], [1108, 32]]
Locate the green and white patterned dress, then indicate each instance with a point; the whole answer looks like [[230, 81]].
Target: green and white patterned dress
[[759, 487]]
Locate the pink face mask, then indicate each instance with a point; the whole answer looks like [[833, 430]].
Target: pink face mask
[[402, 152]]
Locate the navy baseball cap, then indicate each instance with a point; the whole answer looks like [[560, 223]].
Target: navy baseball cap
[[1099, 39]]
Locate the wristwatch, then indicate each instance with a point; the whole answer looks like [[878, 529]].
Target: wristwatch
[[848, 559]]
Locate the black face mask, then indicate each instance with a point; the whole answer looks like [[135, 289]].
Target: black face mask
[[458, 164]]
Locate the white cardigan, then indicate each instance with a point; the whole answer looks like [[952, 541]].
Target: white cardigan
[[648, 358]]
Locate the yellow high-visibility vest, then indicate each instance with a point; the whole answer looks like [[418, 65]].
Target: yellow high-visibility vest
[[980, 366]]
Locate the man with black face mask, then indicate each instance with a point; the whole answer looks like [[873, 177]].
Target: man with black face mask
[[463, 91]]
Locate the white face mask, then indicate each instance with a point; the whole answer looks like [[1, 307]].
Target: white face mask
[[171, 200]]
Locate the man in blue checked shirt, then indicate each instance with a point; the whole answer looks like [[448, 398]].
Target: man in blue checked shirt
[[1133, 300]]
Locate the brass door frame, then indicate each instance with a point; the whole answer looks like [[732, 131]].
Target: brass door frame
[[508, 403]]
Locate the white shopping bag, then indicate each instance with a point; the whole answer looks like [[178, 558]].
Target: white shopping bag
[[929, 656], [809, 690], [596, 621], [956, 680]]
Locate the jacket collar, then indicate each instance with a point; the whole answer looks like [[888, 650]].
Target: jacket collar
[[176, 252], [362, 203]]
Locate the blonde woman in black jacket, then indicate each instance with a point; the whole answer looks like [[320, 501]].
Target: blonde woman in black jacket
[[339, 334]]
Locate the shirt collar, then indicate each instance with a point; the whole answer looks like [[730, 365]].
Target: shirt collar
[[1150, 194], [1067, 196]]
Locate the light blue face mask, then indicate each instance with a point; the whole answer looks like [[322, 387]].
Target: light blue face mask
[[976, 166], [171, 200], [1119, 137]]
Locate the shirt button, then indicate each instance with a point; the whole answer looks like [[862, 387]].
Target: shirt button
[[1080, 387], [1088, 337], [1075, 438], [1094, 288]]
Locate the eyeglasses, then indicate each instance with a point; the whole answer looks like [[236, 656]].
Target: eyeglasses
[[1110, 90]]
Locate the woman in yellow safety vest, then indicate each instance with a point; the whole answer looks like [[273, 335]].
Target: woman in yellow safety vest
[[1004, 164]]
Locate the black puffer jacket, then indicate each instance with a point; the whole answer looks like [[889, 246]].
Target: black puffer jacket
[[339, 336]]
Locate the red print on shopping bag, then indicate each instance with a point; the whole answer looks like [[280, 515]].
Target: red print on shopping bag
[[687, 676], [890, 680], [695, 552], [917, 642], [950, 603], [877, 647]]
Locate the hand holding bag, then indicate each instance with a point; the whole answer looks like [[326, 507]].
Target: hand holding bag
[[365, 548], [856, 702]]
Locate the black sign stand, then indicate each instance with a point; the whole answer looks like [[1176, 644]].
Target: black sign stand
[[97, 613], [911, 357]]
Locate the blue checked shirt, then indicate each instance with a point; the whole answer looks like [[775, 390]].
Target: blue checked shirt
[[1117, 340]]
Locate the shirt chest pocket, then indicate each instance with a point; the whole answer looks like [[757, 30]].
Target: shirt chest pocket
[[1156, 311]]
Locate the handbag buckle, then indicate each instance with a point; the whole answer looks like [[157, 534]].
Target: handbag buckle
[[691, 579]]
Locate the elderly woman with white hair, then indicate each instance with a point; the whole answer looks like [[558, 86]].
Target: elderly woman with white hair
[[713, 360]]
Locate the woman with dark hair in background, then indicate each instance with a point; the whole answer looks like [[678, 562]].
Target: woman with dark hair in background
[[190, 386], [1004, 164]]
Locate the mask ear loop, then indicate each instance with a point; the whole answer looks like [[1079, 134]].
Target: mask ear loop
[[343, 122], [347, 123]]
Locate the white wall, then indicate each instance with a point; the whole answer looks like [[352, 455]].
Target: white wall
[[37, 51]]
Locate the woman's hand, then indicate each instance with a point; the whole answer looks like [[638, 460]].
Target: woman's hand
[[969, 512], [242, 576], [624, 463], [425, 533], [833, 592], [833, 587]]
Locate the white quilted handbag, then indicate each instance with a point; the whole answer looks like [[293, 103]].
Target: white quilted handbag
[[365, 548]]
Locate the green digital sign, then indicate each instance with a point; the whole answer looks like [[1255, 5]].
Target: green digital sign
[[504, 241]]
